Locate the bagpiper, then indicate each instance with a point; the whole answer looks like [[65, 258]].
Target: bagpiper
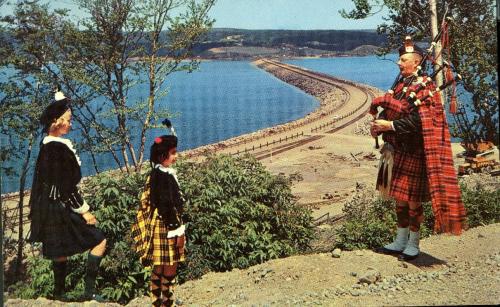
[[417, 164]]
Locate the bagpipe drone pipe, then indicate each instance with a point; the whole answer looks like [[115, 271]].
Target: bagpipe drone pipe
[[423, 79]]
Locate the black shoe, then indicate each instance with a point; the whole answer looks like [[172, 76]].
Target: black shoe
[[386, 251], [405, 257]]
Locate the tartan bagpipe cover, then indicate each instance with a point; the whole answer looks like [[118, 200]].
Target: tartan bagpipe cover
[[142, 228]]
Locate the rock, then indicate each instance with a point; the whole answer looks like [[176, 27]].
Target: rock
[[356, 286], [265, 272], [327, 195], [354, 274], [480, 235], [370, 277], [336, 253], [359, 253], [179, 302], [354, 292]]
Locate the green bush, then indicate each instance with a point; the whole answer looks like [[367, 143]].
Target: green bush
[[371, 222], [41, 280], [114, 201], [237, 215], [368, 221]]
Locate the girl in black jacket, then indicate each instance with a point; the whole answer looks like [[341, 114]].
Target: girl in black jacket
[[60, 217], [159, 230]]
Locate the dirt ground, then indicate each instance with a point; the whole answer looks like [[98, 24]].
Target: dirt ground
[[331, 167], [452, 270]]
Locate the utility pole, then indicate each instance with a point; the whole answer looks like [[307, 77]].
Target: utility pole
[[437, 49]]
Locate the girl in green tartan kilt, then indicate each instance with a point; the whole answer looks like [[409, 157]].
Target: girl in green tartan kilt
[[159, 230]]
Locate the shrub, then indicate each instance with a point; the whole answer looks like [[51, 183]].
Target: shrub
[[237, 215], [40, 282], [371, 222]]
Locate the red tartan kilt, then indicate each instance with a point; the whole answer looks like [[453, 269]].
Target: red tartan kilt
[[409, 177]]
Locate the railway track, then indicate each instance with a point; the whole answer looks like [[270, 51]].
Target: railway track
[[337, 83]]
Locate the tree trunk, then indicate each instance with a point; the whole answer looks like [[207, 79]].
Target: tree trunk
[[22, 185], [151, 103]]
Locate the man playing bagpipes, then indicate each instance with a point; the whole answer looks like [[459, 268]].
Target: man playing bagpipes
[[416, 164]]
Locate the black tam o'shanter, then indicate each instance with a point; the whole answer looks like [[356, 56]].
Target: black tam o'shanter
[[55, 110], [164, 143], [410, 47]]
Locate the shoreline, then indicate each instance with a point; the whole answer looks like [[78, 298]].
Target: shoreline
[[258, 57], [327, 103]]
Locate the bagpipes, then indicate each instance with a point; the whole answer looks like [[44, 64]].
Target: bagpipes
[[417, 89], [399, 91]]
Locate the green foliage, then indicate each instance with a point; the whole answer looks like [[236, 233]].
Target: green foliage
[[41, 280], [115, 201], [237, 215], [482, 205], [371, 222]]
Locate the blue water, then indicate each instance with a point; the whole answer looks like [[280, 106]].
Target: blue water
[[371, 70], [219, 101]]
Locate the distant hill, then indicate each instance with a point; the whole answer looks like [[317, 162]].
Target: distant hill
[[331, 40], [364, 50], [288, 42]]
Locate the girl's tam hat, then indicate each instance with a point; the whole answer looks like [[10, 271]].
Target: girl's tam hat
[[54, 110]]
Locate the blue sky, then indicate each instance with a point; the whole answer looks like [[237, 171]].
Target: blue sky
[[288, 14], [273, 14]]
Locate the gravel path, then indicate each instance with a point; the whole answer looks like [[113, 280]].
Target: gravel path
[[451, 270]]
